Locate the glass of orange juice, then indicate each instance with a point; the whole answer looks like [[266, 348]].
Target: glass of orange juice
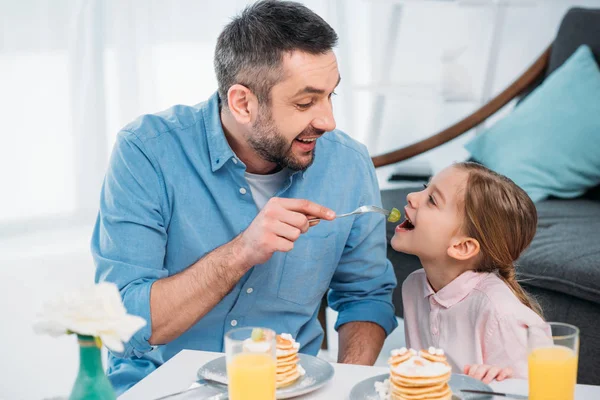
[[251, 361], [553, 356]]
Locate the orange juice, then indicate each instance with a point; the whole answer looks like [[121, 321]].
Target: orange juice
[[251, 377], [552, 373]]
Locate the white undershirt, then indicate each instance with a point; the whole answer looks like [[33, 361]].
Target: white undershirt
[[264, 187]]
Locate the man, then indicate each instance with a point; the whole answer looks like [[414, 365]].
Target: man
[[203, 220]]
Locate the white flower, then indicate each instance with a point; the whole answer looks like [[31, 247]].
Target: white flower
[[96, 311]]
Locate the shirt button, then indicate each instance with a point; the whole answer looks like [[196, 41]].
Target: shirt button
[[233, 322], [234, 160], [249, 290], [242, 191]]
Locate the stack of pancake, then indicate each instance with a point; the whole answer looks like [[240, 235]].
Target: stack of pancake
[[422, 376], [288, 369]]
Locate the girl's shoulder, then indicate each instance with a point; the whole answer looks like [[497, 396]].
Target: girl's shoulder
[[501, 302]]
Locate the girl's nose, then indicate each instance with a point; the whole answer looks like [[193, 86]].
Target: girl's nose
[[411, 198]]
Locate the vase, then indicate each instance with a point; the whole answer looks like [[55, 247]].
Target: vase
[[91, 382]]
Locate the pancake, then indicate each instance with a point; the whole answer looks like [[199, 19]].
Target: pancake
[[414, 377], [288, 370], [434, 355], [398, 356]]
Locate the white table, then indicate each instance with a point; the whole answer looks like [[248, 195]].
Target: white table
[[180, 372]]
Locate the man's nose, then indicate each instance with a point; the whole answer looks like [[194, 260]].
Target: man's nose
[[325, 120]]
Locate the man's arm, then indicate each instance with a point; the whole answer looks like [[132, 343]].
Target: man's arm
[[196, 290], [360, 343]]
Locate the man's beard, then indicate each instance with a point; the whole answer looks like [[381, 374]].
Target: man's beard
[[272, 146]]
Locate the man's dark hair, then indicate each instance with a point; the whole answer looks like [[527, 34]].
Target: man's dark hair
[[250, 49]]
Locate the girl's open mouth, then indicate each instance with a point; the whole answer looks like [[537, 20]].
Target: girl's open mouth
[[405, 226]]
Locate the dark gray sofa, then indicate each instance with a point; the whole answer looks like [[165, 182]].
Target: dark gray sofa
[[562, 266]]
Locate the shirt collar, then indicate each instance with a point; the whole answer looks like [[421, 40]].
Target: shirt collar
[[456, 290], [218, 148]]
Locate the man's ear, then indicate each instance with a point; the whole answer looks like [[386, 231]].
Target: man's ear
[[464, 248], [243, 104]]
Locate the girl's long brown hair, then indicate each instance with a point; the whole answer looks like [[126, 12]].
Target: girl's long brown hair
[[503, 219]]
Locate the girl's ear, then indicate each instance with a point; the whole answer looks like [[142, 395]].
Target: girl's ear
[[464, 249]]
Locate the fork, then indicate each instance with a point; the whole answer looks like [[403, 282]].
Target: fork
[[359, 210]]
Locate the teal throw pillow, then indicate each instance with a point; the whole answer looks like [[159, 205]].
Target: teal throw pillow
[[550, 144]]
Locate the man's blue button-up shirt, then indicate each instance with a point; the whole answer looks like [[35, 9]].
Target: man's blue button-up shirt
[[174, 191]]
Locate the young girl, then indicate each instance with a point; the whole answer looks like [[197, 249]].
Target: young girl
[[468, 226]]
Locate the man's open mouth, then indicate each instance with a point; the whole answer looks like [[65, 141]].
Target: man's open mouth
[[306, 140]]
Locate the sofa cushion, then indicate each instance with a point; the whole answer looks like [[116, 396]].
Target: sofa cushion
[[579, 26], [564, 255], [550, 144]]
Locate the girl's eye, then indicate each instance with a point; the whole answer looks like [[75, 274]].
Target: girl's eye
[[332, 94], [431, 199]]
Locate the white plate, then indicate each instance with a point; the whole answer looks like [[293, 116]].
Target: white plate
[[318, 373], [365, 390]]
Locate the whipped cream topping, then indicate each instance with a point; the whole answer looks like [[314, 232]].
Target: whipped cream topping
[[287, 336], [399, 352], [435, 352], [403, 350], [418, 366], [301, 370], [257, 347], [383, 389], [295, 344]]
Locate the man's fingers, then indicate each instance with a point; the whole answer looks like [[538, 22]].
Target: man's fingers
[[295, 219], [286, 231], [283, 244], [307, 207], [491, 374]]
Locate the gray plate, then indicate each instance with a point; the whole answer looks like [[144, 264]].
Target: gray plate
[[318, 373], [366, 389]]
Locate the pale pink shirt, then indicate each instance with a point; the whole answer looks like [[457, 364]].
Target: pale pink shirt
[[476, 319]]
